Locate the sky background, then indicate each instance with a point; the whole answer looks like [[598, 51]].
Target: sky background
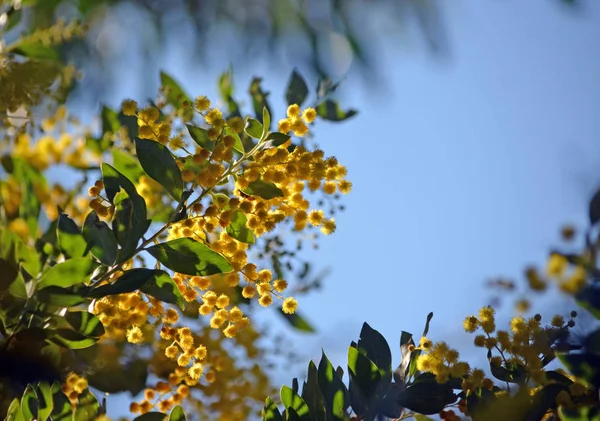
[[464, 167]]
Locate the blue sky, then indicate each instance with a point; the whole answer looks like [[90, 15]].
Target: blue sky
[[464, 168]]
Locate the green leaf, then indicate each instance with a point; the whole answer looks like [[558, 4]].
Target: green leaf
[[29, 403], [159, 164], [190, 257], [87, 407], [291, 399], [363, 372], [9, 274], [70, 240], [253, 128], [110, 120], [151, 416], [297, 322], [589, 298], [427, 397], [45, 402], [100, 239], [36, 50], [297, 91], [333, 389], [238, 146], [270, 412], [312, 395], [263, 189], [163, 288], [14, 412], [377, 350], [584, 413], [330, 110], [30, 180], [127, 165], [68, 273], [177, 414], [129, 377], [68, 338], [585, 366], [238, 229], [200, 136], [226, 91], [266, 122], [62, 407], [174, 94], [130, 281], [85, 323], [59, 297], [277, 138], [259, 99], [129, 223], [130, 123]]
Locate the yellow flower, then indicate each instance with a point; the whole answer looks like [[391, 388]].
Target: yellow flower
[[479, 341], [471, 324], [202, 103], [309, 115], [557, 264], [222, 301], [200, 352], [265, 300], [558, 321], [279, 285], [129, 107], [135, 335], [196, 371], [171, 352], [293, 111], [289, 305]]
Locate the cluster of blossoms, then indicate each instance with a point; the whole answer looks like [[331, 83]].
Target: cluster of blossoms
[[73, 387], [213, 218]]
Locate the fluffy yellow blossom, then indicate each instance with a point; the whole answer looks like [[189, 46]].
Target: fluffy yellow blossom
[[289, 305], [129, 107], [135, 335]]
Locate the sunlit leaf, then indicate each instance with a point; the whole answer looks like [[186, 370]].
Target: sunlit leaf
[[270, 411], [190, 257], [297, 321], [237, 228], [36, 50], [200, 136], [291, 399], [45, 402], [151, 416], [29, 403], [68, 273], [174, 93], [85, 323], [70, 240], [58, 297], [253, 128], [177, 414], [70, 339], [333, 389], [264, 189]]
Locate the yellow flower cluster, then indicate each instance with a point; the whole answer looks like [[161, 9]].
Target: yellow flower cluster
[[122, 314], [73, 387], [570, 279], [162, 397], [295, 122], [438, 358]]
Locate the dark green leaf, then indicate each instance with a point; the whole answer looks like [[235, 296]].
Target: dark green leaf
[[401, 374], [45, 402], [70, 339], [297, 322], [131, 123], [259, 99], [37, 50], [130, 377], [68, 273], [85, 323], [70, 240], [100, 239], [177, 414], [429, 317], [159, 164], [333, 390], [594, 208], [151, 416], [297, 90], [585, 413], [589, 298], [253, 128], [277, 138], [291, 399], [270, 412], [427, 398], [585, 366], [130, 281], [200, 136], [377, 350], [59, 297], [330, 110], [62, 407], [312, 394], [263, 189], [175, 95], [363, 372], [238, 229], [190, 257], [29, 403], [9, 274]]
